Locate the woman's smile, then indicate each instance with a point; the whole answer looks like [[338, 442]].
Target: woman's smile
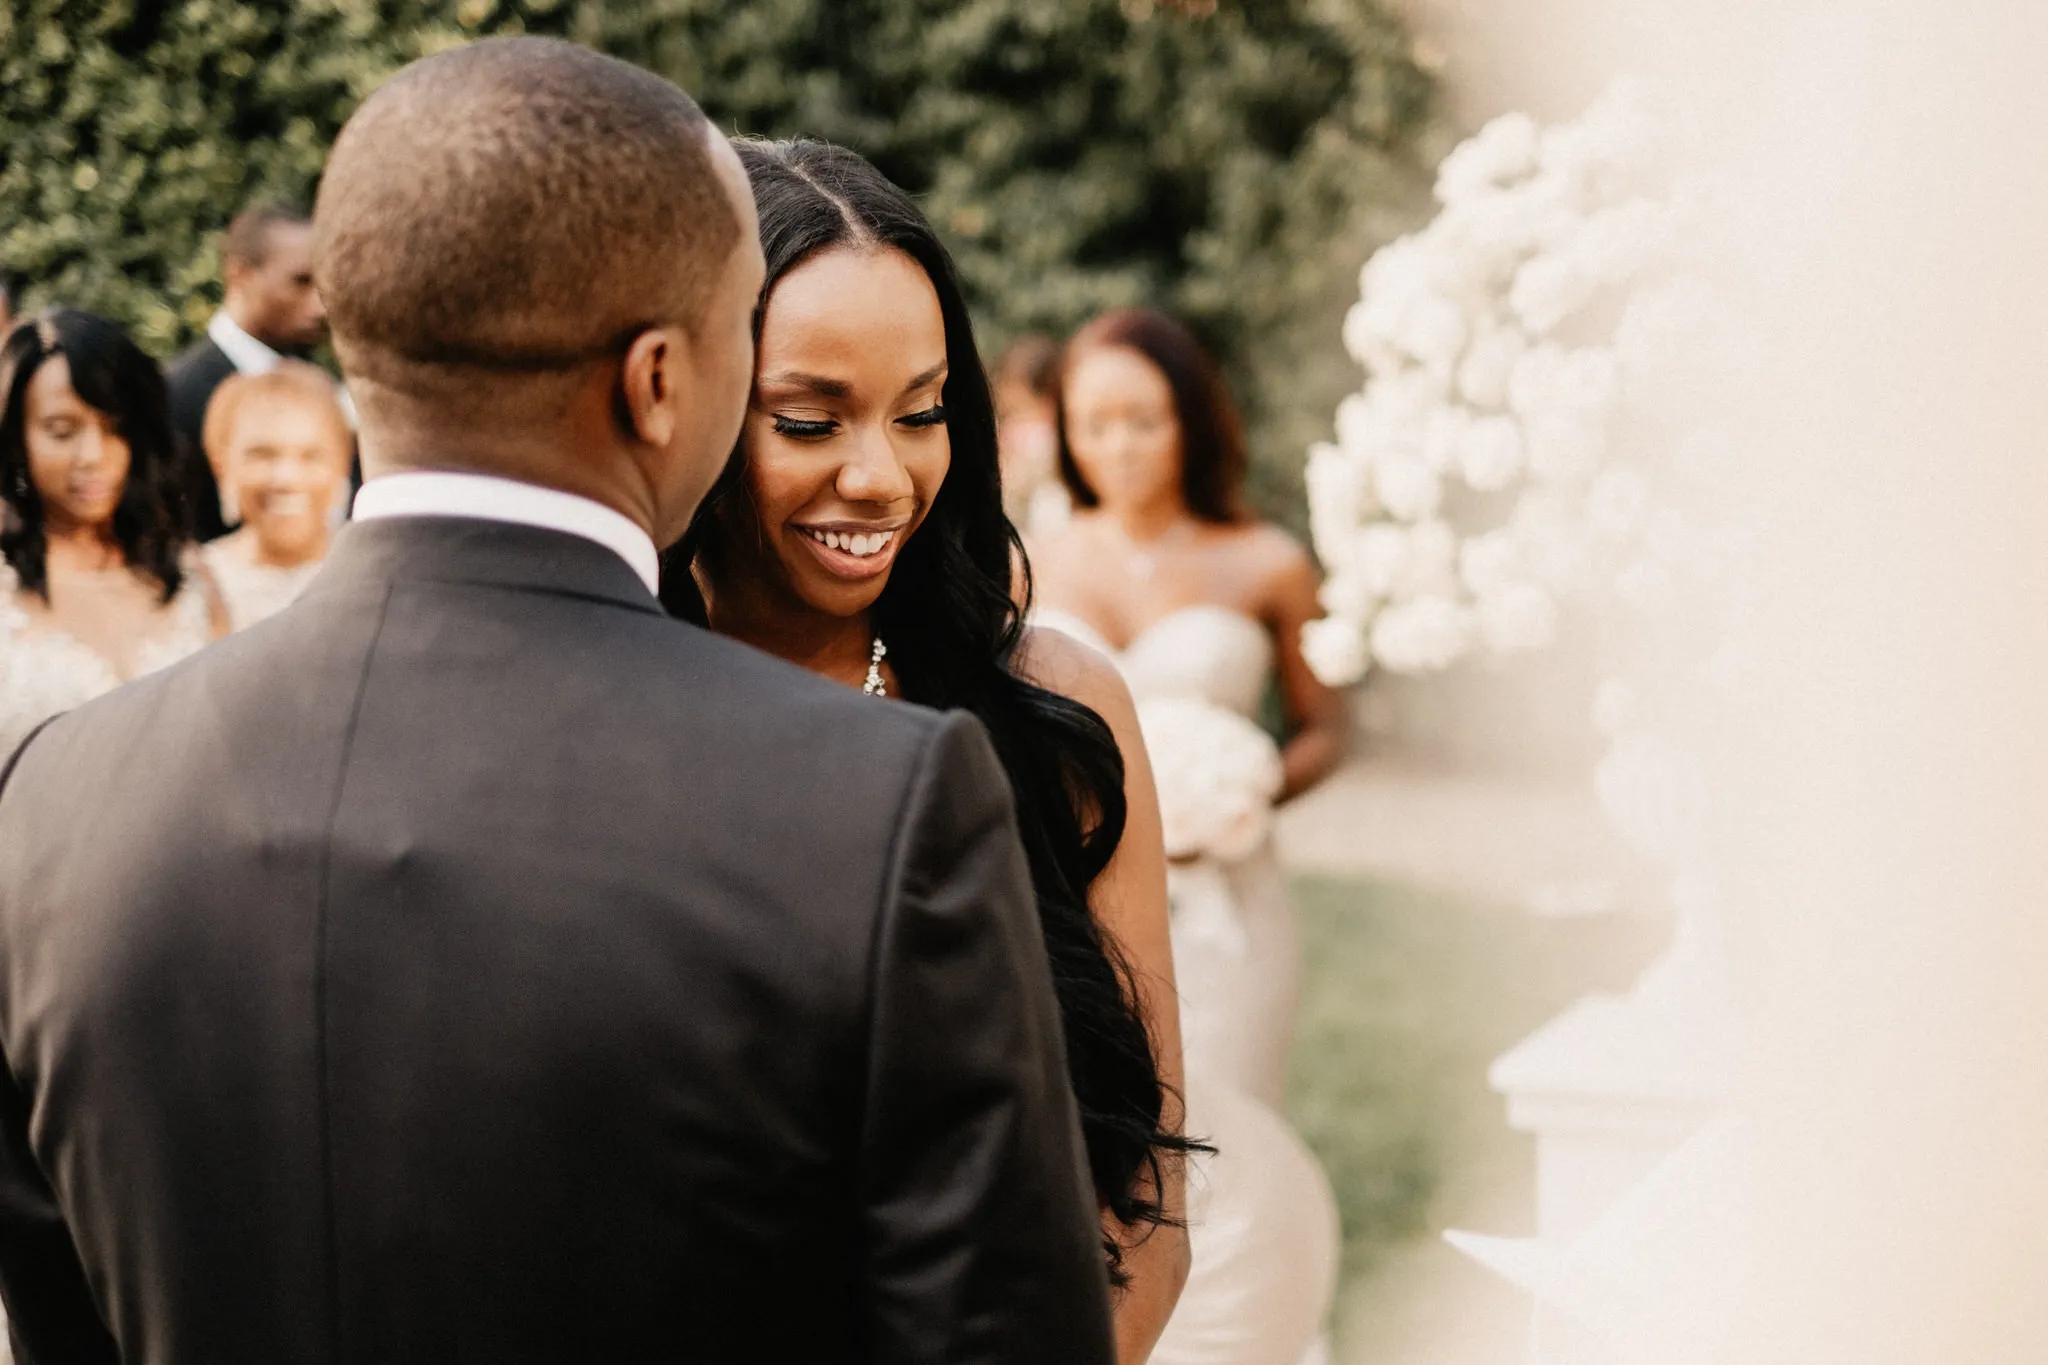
[[852, 550]]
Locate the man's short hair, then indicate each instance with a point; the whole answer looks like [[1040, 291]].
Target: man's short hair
[[247, 241], [520, 205]]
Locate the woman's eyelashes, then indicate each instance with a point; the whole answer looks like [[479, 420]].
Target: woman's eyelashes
[[812, 429], [803, 429]]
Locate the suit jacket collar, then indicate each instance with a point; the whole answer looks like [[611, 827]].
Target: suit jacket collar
[[430, 549]]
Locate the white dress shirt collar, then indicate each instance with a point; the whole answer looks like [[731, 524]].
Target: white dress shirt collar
[[487, 498], [244, 352]]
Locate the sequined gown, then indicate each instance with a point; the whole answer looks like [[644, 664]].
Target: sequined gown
[[117, 631]]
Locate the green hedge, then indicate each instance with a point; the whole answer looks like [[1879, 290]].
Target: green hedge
[[1232, 161]]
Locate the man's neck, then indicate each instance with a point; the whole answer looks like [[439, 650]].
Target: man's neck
[[550, 445]]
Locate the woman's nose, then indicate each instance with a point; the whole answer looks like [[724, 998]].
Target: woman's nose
[[874, 474]]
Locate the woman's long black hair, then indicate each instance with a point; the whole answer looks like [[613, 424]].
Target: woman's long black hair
[[953, 629], [112, 374]]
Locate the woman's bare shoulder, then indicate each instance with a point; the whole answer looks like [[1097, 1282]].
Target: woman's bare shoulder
[[1057, 662]]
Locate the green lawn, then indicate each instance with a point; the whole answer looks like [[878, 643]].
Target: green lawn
[[1407, 997]]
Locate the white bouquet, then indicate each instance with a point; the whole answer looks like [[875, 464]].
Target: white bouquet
[[1509, 347], [1218, 775]]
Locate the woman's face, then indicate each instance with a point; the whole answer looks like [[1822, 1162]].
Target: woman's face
[[77, 457], [284, 462], [1122, 427], [845, 438]]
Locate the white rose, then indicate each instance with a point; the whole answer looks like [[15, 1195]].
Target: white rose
[[1407, 487], [1483, 374], [1552, 382], [1428, 564], [1334, 651], [1349, 595], [1338, 494], [1217, 776], [1378, 554], [1491, 562], [1423, 636], [1443, 435], [1370, 349], [1554, 550], [1498, 154], [1517, 619], [1356, 430], [1608, 148], [1402, 307], [1490, 453], [1390, 418], [1548, 289]]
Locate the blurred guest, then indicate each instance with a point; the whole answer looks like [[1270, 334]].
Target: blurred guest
[[1027, 433], [270, 311], [10, 298], [96, 585], [279, 449], [1163, 569]]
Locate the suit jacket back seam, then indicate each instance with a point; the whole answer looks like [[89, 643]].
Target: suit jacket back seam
[[330, 1231]]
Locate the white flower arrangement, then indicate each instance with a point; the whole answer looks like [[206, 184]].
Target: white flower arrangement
[[1218, 775], [1509, 346]]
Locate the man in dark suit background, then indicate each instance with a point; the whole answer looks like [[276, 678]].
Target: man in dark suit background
[[269, 311], [471, 962]]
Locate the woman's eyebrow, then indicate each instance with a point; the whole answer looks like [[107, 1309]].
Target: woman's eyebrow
[[927, 377], [816, 383]]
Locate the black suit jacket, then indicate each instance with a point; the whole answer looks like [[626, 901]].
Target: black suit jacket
[[473, 964], [192, 376]]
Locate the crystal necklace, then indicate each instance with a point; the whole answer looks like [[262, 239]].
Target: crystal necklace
[[874, 686]]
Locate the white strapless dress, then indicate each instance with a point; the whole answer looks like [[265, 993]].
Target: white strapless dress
[[1262, 1221], [44, 671]]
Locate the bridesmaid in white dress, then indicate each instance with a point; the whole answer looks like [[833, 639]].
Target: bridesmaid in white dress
[[1161, 569], [97, 584], [280, 447]]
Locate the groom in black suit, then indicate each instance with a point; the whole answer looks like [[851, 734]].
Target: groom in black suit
[[473, 964]]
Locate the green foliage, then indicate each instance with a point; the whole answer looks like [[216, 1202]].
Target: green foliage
[[1233, 165]]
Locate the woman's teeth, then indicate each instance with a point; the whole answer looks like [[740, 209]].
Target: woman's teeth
[[859, 544]]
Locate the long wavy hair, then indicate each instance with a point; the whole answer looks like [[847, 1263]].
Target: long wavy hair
[[953, 628], [112, 375]]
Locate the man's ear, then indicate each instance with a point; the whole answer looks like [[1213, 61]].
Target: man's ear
[[655, 379], [233, 275]]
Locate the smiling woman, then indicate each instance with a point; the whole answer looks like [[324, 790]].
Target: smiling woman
[[847, 430], [859, 532], [279, 446]]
